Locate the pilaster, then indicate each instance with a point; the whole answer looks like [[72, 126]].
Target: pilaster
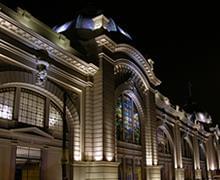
[[179, 173], [209, 175], [51, 165], [96, 170], [103, 112], [198, 174], [150, 130], [88, 124], [7, 161], [153, 172], [196, 152], [178, 147]]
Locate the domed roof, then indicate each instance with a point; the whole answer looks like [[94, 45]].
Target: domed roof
[[89, 23], [83, 30]]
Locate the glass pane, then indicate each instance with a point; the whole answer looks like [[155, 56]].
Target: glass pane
[[118, 116], [6, 102], [137, 128], [32, 107], [127, 113], [55, 119]]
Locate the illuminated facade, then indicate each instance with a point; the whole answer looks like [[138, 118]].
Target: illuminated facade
[[104, 96]]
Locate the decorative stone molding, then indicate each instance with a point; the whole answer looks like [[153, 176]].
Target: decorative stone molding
[[41, 77], [105, 41], [29, 37], [123, 68]]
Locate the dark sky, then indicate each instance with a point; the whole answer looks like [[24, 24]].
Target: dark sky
[[182, 39]]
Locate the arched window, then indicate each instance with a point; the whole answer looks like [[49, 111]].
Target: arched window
[[186, 151], [32, 109], [127, 120], [163, 142]]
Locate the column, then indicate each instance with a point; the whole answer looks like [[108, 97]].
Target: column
[[103, 114], [102, 165], [211, 158], [51, 163], [198, 173], [88, 124], [178, 163], [7, 161], [152, 168], [95, 170]]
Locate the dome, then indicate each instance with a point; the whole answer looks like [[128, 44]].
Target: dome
[[83, 30], [88, 23]]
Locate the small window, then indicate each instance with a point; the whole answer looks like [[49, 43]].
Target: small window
[[6, 103]]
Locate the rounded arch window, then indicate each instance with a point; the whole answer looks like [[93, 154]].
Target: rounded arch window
[[163, 142], [127, 120], [31, 108]]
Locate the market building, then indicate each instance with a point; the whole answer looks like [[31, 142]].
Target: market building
[[84, 78]]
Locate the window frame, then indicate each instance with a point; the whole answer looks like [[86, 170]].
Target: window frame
[[16, 109], [134, 109]]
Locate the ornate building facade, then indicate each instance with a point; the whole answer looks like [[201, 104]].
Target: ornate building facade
[[80, 102]]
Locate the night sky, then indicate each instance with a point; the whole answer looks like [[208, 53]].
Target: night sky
[[182, 39]]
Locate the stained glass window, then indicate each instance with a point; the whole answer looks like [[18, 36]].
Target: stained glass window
[[32, 106], [119, 121], [55, 119], [6, 103], [137, 128], [127, 120], [127, 114]]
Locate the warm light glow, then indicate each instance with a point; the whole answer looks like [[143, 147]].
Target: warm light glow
[[212, 167], [149, 160], [98, 156], [77, 156], [109, 156]]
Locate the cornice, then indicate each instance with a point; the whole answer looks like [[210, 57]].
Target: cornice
[[187, 125], [31, 59], [36, 41]]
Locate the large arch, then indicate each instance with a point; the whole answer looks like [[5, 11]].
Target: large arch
[[123, 149], [171, 161], [27, 80], [123, 66], [140, 60], [188, 159]]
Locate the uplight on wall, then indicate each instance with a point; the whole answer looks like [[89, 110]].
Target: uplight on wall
[[98, 156], [109, 156]]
